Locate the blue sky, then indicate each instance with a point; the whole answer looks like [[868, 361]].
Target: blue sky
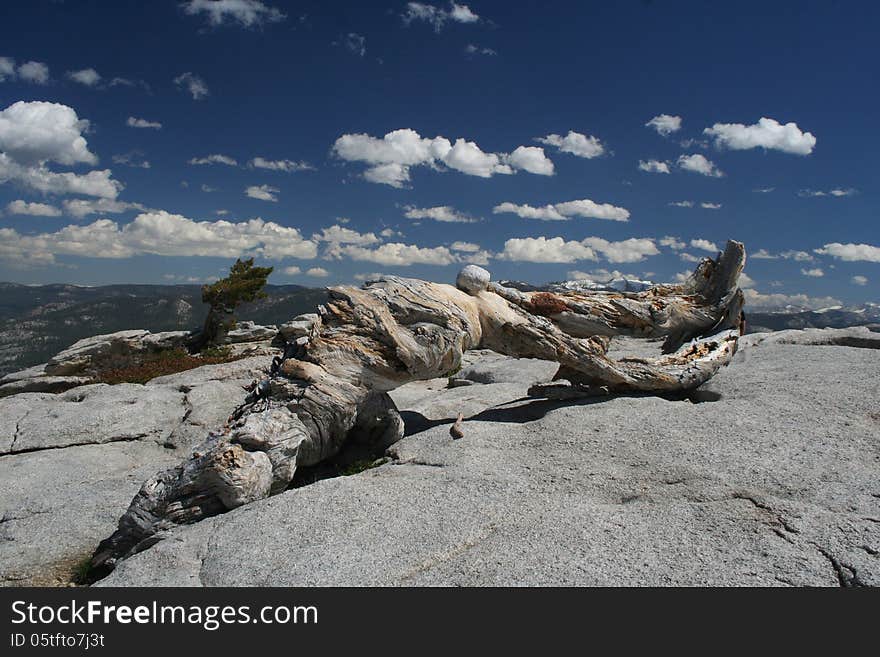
[[542, 140]]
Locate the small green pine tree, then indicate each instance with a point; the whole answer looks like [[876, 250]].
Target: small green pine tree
[[245, 283]]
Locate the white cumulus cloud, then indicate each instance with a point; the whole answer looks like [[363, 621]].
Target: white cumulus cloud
[[565, 210], [546, 250], [215, 159], [33, 134], [355, 43], [837, 192], [634, 249], [133, 122], [467, 157], [395, 253], [41, 179], [665, 124], [858, 279], [125, 82], [654, 166], [705, 245], [575, 143], [262, 192], [798, 256], [558, 250], [816, 272], [7, 69], [132, 159], [36, 72], [248, 13], [698, 163], [531, 159], [673, 243], [279, 165], [745, 281], [444, 213], [472, 49], [86, 76], [161, 233], [766, 133], [193, 84], [32, 209], [396, 175], [437, 15], [337, 234], [391, 157], [80, 208], [480, 257], [851, 252]]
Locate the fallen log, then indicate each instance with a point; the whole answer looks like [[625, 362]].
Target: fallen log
[[331, 387]]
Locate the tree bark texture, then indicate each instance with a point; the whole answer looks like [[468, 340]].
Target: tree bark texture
[[332, 385]]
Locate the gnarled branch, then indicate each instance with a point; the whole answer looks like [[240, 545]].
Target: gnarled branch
[[332, 385]]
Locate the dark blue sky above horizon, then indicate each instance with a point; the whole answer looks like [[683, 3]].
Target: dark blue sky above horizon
[[285, 80]]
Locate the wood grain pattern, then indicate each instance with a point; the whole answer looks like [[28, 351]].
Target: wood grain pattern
[[366, 341]]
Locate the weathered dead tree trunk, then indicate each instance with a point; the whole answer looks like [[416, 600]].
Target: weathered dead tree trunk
[[332, 385]]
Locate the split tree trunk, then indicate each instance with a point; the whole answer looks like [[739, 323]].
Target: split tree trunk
[[217, 324], [333, 386]]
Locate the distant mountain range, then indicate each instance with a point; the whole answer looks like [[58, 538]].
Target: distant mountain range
[[799, 318], [36, 322]]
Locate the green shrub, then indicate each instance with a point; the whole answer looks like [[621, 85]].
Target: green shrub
[[81, 571], [244, 284]]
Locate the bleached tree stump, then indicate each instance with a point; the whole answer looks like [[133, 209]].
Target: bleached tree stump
[[332, 387]]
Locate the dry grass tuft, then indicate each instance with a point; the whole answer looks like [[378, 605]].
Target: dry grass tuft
[[140, 368]]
